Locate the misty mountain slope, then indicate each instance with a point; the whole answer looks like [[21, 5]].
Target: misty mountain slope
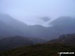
[[64, 20], [21, 29], [16, 26], [10, 20], [50, 48], [18, 41], [67, 39], [42, 32], [13, 42], [6, 30], [62, 25]]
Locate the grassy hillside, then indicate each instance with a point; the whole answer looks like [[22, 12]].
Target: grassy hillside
[[65, 43], [39, 50]]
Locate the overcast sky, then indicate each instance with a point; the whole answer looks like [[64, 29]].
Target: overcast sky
[[30, 11]]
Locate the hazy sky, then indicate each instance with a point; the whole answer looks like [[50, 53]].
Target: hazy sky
[[30, 11]]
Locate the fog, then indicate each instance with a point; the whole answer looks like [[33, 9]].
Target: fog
[[31, 11]]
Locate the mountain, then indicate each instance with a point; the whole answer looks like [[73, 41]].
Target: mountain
[[51, 48], [6, 30], [65, 25], [18, 41], [34, 34], [14, 42], [62, 25], [13, 27], [67, 39]]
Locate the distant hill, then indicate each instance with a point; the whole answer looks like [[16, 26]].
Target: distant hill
[[67, 39], [6, 30], [12, 27], [62, 25], [18, 41], [51, 48], [13, 42]]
